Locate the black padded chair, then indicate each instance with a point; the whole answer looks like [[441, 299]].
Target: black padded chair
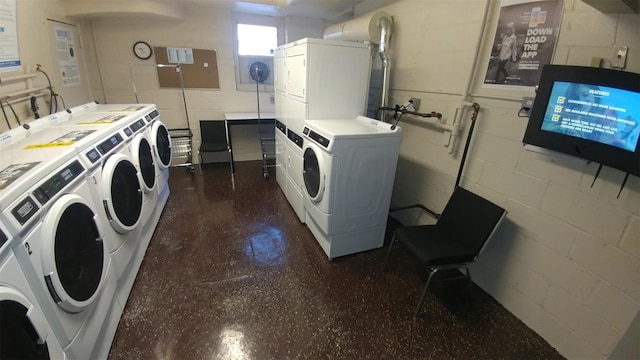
[[215, 138], [466, 224]]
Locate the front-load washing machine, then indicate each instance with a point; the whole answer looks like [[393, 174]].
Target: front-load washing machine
[[349, 169], [62, 255], [24, 330]]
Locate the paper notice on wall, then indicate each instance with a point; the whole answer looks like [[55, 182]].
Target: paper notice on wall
[[180, 55], [524, 42], [67, 56], [9, 52]]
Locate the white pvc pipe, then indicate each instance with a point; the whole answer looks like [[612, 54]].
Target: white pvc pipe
[[17, 77], [457, 118], [25, 91], [15, 101]]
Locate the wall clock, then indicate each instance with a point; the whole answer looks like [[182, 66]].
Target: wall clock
[[142, 50]]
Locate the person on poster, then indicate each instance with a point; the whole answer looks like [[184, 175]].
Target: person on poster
[[508, 52]]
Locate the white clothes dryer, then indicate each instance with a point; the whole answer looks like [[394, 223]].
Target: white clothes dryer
[[161, 144], [139, 148], [123, 212], [28, 156], [24, 330], [349, 169], [122, 206], [134, 121], [62, 254], [157, 133]]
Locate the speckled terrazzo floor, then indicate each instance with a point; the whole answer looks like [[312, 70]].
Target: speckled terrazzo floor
[[235, 275]]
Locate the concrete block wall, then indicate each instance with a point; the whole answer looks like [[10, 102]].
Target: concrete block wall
[[204, 27], [36, 21], [566, 262]]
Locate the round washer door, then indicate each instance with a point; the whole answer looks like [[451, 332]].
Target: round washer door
[[22, 333], [143, 159], [313, 172], [74, 258], [161, 142], [121, 193]]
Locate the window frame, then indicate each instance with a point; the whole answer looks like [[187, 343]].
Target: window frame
[[242, 60]]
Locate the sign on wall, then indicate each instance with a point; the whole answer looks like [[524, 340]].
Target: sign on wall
[[9, 52], [67, 56], [524, 42]]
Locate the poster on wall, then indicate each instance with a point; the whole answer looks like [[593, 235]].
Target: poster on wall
[[524, 42], [67, 56], [9, 52]]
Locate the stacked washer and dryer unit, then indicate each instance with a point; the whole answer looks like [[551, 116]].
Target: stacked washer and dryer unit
[[314, 79], [78, 221], [335, 166]]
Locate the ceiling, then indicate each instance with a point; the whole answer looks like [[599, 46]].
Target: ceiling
[[331, 10], [321, 9]]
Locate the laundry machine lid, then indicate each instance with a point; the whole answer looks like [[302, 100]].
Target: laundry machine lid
[[360, 127], [161, 142], [74, 258], [143, 159], [314, 172], [121, 193], [22, 327]]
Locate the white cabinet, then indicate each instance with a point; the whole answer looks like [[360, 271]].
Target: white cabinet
[[281, 159], [279, 58], [316, 79]]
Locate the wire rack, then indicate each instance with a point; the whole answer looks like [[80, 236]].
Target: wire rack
[[181, 148]]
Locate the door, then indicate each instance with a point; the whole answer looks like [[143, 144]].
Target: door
[[74, 259], [161, 143], [279, 71], [296, 76], [313, 173], [20, 334], [67, 67], [121, 193], [143, 159]]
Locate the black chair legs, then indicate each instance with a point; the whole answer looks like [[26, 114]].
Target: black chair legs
[[432, 272], [386, 260]]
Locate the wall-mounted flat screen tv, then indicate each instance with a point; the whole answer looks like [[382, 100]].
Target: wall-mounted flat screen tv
[[587, 112]]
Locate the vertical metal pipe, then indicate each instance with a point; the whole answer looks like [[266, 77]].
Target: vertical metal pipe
[[383, 50], [184, 97], [457, 117]]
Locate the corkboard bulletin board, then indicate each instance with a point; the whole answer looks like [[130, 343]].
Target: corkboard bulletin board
[[203, 73]]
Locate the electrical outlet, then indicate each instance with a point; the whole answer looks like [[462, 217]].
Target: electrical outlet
[[415, 102], [525, 107], [527, 102], [619, 57]]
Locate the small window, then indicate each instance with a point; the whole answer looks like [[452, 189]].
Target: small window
[[257, 40]]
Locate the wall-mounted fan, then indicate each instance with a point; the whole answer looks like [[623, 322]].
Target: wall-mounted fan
[[259, 72]]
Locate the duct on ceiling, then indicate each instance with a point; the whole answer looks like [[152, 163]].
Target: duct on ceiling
[[155, 9], [374, 27]]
